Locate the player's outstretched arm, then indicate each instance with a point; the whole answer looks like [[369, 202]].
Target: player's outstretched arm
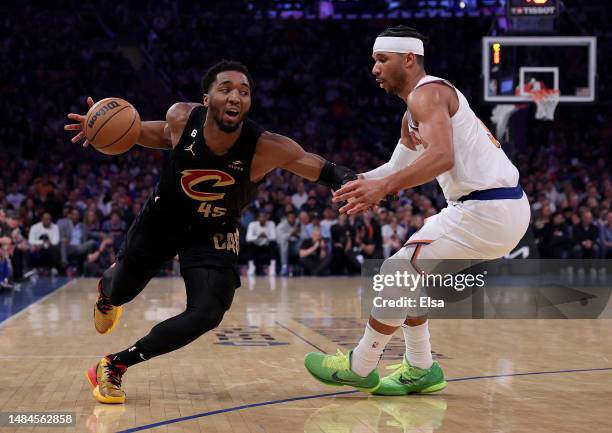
[[278, 151], [160, 134], [405, 152], [429, 107], [157, 134]]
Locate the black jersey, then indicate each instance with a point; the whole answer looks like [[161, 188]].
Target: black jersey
[[203, 193], [203, 188]]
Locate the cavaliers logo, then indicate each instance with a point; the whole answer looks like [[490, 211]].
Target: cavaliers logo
[[191, 178]]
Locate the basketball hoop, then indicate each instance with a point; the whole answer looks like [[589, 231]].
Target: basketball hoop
[[546, 101]]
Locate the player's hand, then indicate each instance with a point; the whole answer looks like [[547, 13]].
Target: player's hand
[[360, 195], [80, 125]]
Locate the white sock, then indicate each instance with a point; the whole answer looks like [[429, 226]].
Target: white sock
[[369, 350], [418, 347]]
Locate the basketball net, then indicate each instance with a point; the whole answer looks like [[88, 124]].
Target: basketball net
[[546, 101]]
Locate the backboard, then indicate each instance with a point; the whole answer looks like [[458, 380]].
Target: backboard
[[511, 63]]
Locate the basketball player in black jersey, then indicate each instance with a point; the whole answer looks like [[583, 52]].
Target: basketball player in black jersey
[[218, 157]]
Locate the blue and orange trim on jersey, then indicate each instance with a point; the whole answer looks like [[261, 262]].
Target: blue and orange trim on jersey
[[420, 243]]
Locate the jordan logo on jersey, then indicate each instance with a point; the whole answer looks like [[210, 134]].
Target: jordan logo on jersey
[[190, 148], [191, 178]]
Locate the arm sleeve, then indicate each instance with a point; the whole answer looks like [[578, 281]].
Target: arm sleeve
[[401, 158]]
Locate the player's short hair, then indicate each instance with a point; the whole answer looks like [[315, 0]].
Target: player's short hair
[[224, 65], [402, 31]]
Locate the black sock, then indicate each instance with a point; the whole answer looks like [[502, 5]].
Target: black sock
[[129, 357]]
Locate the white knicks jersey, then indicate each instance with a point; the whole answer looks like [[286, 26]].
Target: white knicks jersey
[[480, 163]]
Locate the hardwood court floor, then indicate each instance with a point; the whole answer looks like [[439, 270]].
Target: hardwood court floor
[[507, 375]]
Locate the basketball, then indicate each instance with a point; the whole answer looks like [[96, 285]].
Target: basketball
[[112, 126]]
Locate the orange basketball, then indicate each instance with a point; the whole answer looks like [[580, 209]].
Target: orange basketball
[[112, 126]]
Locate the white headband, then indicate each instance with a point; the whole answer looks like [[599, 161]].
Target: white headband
[[393, 44]]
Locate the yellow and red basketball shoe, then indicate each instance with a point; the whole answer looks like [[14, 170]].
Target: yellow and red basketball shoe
[[105, 377], [106, 315]]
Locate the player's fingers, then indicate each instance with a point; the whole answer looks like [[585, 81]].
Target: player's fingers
[[344, 197], [78, 137], [359, 208], [350, 186], [72, 127], [77, 117], [346, 192], [86, 143], [344, 209], [352, 204], [90, 101]]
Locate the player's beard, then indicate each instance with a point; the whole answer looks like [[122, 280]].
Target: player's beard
[[397, 82], [225, 127]]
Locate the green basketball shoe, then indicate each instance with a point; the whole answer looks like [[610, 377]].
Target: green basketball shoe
[[407, 379], [336, 370]]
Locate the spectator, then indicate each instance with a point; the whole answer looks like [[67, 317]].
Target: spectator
[[383, 216], [369, 237], [74, 243], [44, 244], [16, 245], [312, 206], [261, 243], [416, 222], [92, 226], [329, 219], [115, 227], [586, 237], [6, 272], [288, 235], [542, 218], [315, 221], [15, 197], [556, 238], [606, 238], [300, 196], [393, 237], [304, 219], [343, 256], [100, 259], [314, 256], [3, 224]]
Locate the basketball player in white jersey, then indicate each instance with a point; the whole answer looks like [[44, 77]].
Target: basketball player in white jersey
[[486, 216]]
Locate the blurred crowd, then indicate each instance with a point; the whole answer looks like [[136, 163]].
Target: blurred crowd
[[65, 209]]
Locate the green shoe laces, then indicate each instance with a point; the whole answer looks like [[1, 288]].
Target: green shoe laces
[[404, 370], [340, 361]]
